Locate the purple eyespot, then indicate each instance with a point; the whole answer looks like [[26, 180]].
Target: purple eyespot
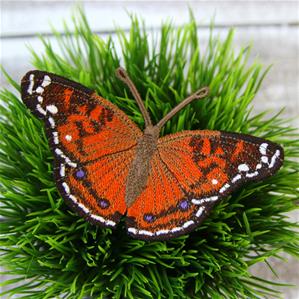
[[149, 218], [104, 204], [184, 205], [80, 174]]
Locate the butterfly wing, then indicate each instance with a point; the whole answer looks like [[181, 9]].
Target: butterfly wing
[[93, 143], [193, 170]]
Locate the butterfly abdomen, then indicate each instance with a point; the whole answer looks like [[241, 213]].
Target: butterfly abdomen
[[140, 167]]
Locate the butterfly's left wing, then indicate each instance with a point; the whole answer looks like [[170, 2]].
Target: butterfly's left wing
[[93, 144], [193, 170]]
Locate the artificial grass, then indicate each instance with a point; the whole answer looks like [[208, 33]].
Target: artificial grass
[[55, 253]]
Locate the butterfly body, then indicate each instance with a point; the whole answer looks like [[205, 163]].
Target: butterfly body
[[140, 166], [105, 167]]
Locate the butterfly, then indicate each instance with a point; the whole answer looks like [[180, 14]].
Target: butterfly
[[106, 167]]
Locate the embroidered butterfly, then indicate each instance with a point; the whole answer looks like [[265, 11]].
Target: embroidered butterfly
[[106, 167]]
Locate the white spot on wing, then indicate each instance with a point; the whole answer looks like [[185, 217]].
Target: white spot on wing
[[236, 178], [52, 109], [225, 187], [188, 223], [66, 188], [58, 152], [145, 232], [162, 232], [176, 229], [203, 200], [72, 164], [258, 166], [109, 222], [82, 207], [214, 181], [265, 159], [263, 148], [68, 137], [55, 137], [101, 219], [52, 122], [132, 230], [62, 170], [73, 198], [243, 167], [40, 109], [46, 81], [273, 159], [31, 84], [199, 212], [252, 174], [39, 90]]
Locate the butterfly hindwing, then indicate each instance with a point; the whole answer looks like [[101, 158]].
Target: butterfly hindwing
[[92, 140], [192, 171]]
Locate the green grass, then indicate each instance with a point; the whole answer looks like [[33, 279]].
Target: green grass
[[51, 252]]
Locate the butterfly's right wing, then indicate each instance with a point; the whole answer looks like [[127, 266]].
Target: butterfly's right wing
[[190, 172], [93, 143]]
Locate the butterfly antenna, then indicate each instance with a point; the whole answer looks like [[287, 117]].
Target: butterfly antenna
[[200, 94], [123, 76]]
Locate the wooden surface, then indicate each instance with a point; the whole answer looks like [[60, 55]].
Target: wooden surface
[[271, 26]]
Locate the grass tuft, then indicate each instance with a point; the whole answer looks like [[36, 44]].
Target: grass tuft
[[51, 252]]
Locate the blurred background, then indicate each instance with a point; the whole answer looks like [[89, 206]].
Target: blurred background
[[271, 27]]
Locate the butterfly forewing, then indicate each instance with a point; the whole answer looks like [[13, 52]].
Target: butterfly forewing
[[192, 171], [92, 140]]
